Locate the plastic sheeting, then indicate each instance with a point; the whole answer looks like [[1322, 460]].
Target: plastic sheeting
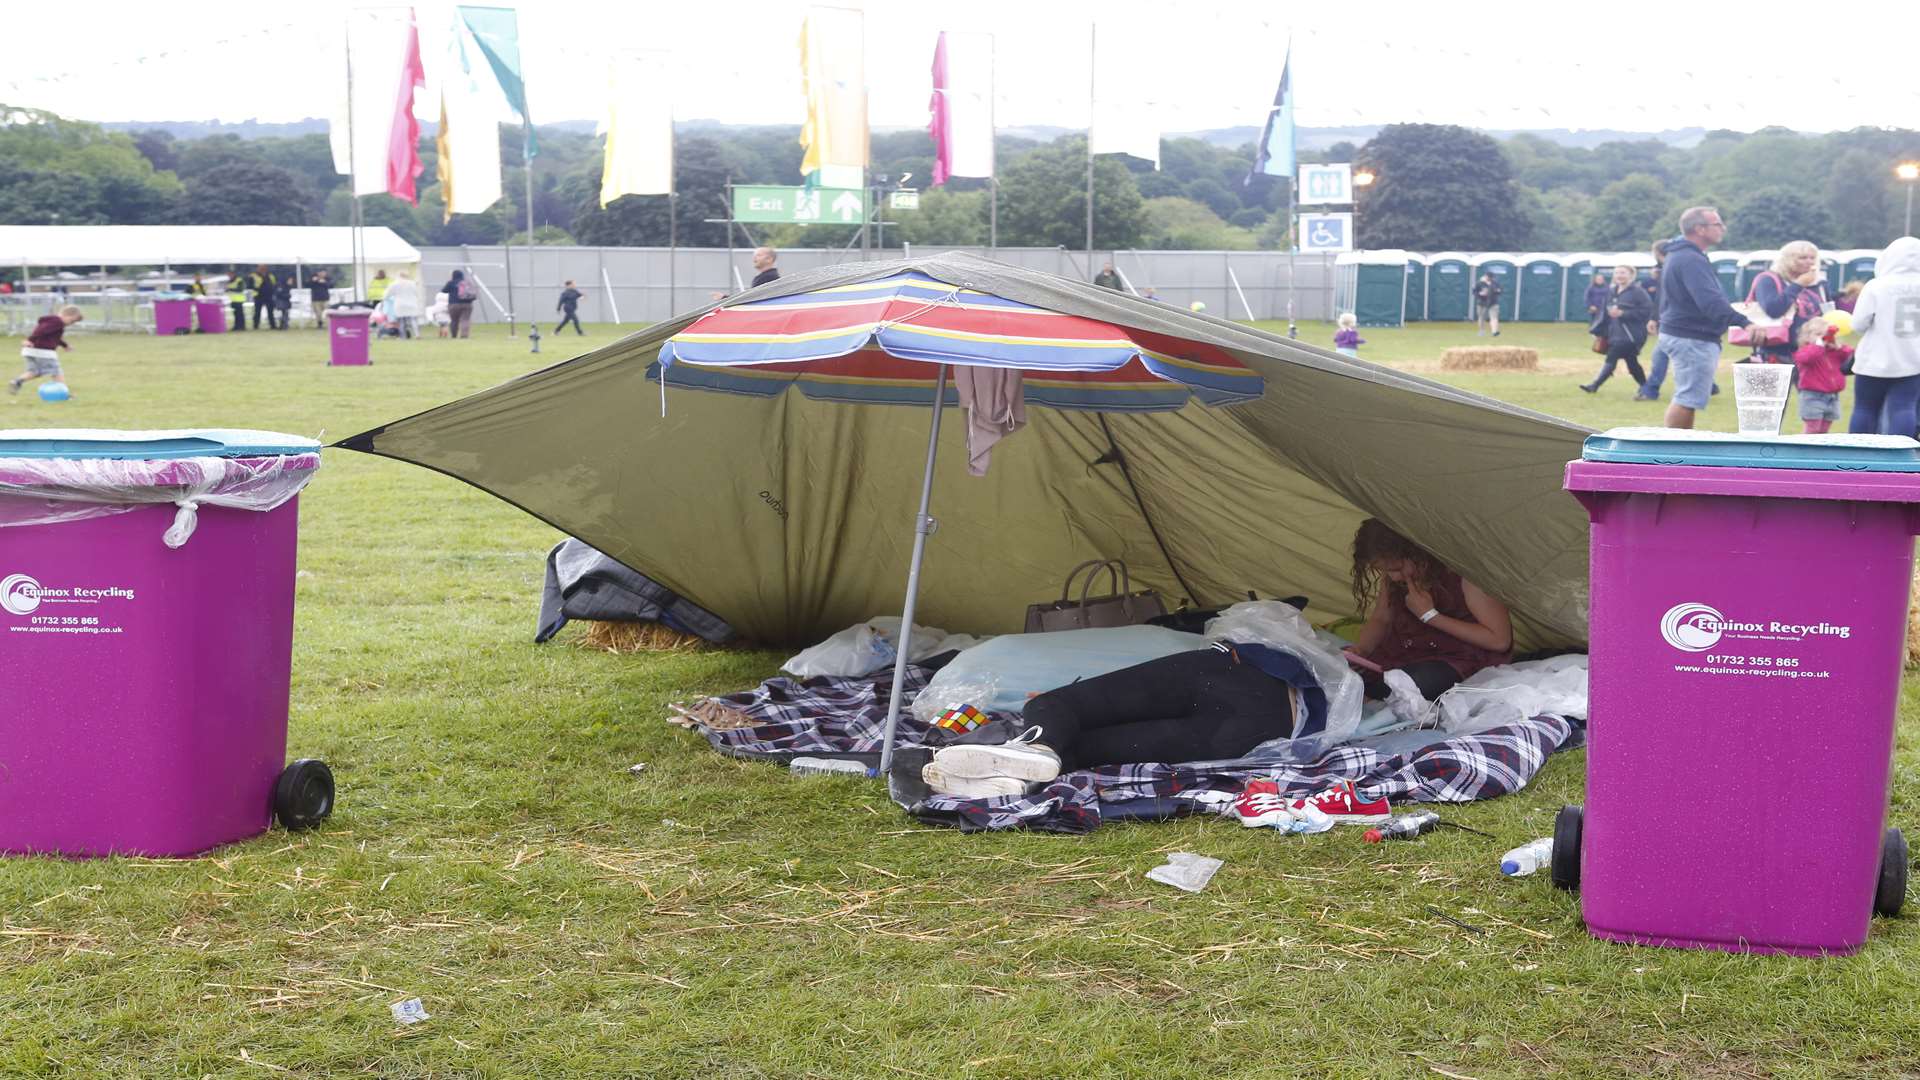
[[1002, 674], [864, 648], [47, 491]]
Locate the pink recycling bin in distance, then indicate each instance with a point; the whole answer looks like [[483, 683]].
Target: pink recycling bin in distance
[[1747, 633], [349, 337], [172, 317], [210, 315], [148, 645]]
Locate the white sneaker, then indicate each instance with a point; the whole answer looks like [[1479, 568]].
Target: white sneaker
[[1020, 759], [940, 782]]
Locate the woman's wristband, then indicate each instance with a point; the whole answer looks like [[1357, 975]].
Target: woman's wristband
[[1428, 615]]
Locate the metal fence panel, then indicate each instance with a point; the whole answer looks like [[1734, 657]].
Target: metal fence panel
[[645, 285]]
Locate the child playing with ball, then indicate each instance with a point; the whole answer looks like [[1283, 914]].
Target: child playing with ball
[[1822, 363], [48, 335]]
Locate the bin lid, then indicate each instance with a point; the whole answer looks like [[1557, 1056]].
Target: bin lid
[[80, 443], [1679, 446]]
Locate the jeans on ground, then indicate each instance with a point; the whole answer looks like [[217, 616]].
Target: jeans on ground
[[1193, 706], [1884, 406]]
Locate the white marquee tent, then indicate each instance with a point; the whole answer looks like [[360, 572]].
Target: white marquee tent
[[203, 245]]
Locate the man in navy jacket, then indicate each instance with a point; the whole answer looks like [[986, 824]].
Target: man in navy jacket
[[1694, 313]]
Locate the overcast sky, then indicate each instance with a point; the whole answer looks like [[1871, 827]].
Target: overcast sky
[[1198, 63]]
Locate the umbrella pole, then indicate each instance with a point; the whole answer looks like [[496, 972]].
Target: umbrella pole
[[923, 527]]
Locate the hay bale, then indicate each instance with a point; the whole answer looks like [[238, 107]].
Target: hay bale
[[1490, 358], [638, 637]]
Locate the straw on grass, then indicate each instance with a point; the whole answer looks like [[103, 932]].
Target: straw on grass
[[638, 637], [1490, 358]]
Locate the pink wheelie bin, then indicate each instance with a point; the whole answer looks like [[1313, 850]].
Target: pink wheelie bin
[[146, 632], [1748, 630]]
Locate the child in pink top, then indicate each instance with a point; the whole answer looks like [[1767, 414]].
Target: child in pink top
[[1822, 363]]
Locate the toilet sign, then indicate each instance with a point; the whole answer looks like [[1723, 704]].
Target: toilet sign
[[1326, 232], [1326, 185]]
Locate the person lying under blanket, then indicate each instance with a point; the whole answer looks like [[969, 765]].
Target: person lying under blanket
[[1219, 703]]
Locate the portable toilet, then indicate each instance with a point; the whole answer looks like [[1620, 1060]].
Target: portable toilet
[[1578, 273], [1832, 269], [1505, 269], [1642, 262], [1726, 267], [1543, 286], [1449, 287], [1858, 264], [1752, 266], [1372, 285], [1416, 287]]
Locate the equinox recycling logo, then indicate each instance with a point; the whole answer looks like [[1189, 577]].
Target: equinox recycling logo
[[19, 595], [1691, 627]]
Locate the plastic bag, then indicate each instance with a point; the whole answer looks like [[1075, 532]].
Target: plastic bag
[[45, 491], [1281, 626], [1000, 675], [867, 647]]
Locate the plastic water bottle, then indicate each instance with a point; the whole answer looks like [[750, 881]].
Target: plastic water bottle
[[1404, 827], [1527, 858], [820, 766]]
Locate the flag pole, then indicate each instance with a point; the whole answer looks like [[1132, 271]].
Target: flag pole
[[993, 152], [353, 172], [1293, 244], [1093, 65]]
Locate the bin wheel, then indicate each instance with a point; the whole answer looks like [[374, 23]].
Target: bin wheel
[[303, 796], [1892, 893], [1565, 867]]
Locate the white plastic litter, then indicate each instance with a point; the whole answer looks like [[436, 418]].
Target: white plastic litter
[[1305, 818], [1498, 696], [410, 1011], [1281, 626], [867, 647], [45, 491], [1185, 870]]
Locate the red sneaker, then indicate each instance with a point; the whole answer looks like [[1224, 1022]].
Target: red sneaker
[[1259, 804], [1344, 805]]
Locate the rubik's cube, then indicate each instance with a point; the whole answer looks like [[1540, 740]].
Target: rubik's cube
[[960, 720]]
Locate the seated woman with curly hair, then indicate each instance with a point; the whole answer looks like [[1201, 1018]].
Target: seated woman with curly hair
[[1422, 618]]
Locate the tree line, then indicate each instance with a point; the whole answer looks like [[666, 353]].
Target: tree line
[[1438, 187]]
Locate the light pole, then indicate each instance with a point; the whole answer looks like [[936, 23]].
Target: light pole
[[1910, 172], [1363, 177]]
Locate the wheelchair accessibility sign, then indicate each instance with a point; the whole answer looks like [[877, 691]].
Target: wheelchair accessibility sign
[[1326, 232]]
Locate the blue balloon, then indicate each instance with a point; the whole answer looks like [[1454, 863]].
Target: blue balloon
[[54, 391]]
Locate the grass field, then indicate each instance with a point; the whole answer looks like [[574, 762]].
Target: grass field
[[558, 917]]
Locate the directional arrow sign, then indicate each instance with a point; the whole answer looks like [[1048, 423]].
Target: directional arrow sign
[[799, 206]]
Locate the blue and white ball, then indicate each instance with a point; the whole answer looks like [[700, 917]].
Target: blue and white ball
[[54, 391]]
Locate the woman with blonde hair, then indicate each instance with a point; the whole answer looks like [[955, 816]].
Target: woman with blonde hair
[[1793, 284]]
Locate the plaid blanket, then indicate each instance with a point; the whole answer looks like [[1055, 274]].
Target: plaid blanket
[[847, 718], [825, 716]]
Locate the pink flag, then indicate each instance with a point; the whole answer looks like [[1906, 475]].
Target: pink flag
[[941, 126], [962, 106], [403, 144]]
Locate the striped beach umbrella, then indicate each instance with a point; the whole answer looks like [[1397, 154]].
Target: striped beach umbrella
[[895, 341]]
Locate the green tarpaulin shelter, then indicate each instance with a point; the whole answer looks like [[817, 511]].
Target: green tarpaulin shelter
[[787, 516]]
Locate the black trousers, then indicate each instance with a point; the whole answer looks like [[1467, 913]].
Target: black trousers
[[1194, 706], [260, 306], [1615, 354], [570, 317], [239, 314]]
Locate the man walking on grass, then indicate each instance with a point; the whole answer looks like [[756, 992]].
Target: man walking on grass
[[1694, 313]]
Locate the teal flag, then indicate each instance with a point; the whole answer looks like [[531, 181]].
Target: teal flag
[[497, 33]]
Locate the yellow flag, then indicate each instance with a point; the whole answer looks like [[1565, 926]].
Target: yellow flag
[[833, 72]]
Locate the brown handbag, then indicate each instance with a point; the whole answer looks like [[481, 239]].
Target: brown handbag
[[1599, 344], [1119, 607]]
